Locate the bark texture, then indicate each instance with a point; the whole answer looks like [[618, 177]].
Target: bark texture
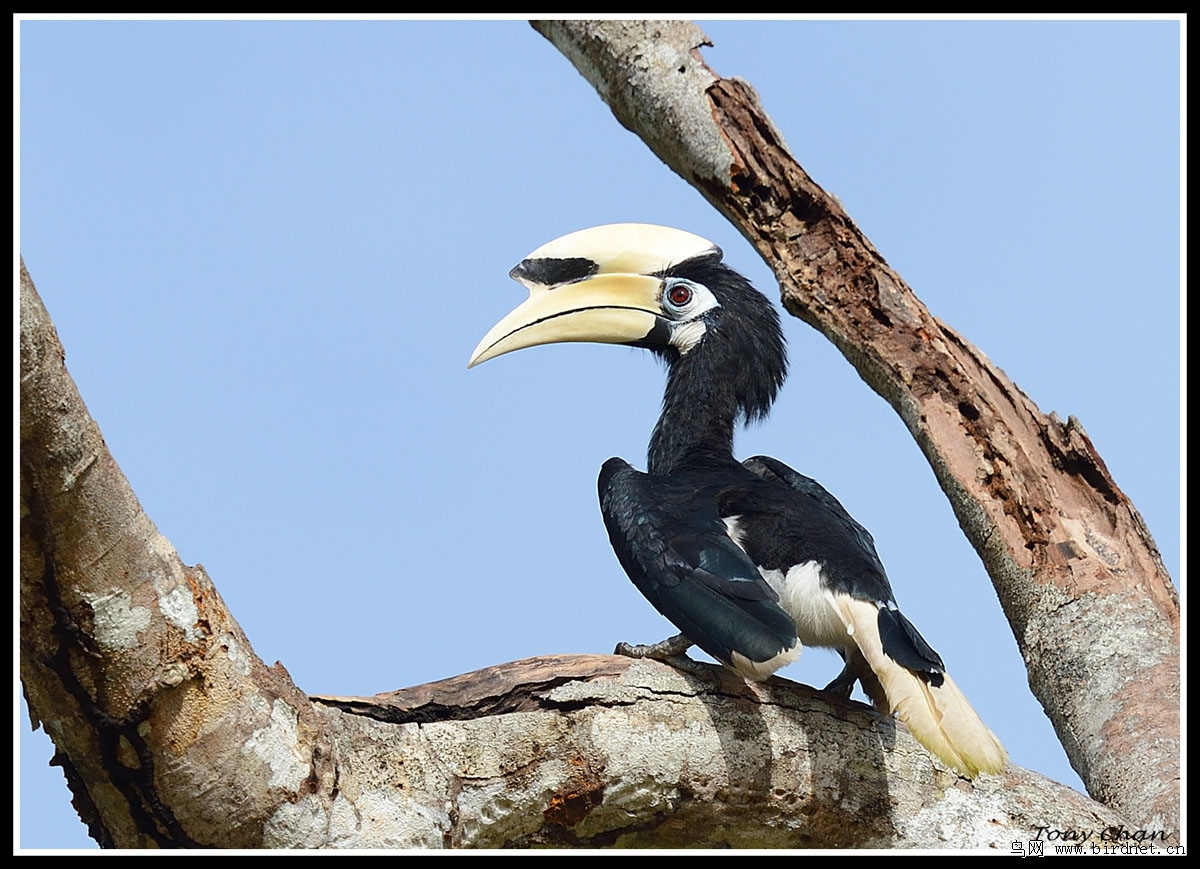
[[1091, 605], [600, 751]]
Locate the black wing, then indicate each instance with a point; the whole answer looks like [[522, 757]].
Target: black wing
[[669, 537], [822, 518]]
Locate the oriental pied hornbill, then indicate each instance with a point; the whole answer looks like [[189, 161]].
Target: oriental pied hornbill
[[749, 560]]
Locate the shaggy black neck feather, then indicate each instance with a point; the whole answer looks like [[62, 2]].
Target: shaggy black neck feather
[[732, 374]]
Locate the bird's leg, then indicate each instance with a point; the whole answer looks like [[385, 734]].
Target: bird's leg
[[672, 650], [858, 670], [843, 685]]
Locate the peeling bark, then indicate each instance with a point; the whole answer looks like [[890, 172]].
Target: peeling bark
[[1091, 605]]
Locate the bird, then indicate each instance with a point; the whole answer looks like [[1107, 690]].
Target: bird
[[750, 560]]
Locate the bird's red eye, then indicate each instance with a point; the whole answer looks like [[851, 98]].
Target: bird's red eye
[[680, 294]]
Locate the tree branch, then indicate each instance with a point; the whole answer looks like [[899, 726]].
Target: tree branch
[[600, 751], [1091, 605]]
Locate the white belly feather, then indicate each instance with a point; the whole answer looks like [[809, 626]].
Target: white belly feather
[[804, 597]]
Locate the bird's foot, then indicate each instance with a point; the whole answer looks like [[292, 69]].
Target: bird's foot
[[670, 651], [672, 647], [857, 670], [843, 684]]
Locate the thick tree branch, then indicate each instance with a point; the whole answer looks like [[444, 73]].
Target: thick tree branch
[[1091, 605], [600, 751], [173, 733]]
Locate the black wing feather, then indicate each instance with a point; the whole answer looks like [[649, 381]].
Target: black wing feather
[[669, 537]]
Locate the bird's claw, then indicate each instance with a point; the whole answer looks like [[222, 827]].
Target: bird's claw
[[670, 651], [672, 647]]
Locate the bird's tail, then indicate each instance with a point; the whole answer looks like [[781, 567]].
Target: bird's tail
[[937, 715]]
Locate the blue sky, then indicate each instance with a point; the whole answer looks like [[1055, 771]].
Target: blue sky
[[270, 247]]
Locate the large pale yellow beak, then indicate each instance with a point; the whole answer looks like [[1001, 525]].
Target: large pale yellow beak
[[600, 284], [605, 308]]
